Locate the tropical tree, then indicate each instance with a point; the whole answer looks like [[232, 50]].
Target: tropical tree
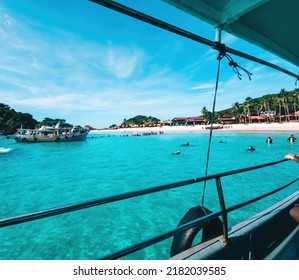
[[10, 120], [279, 102], [296, 100], [207, 115], [248, 102], [256, 107], [236, 111], [283, 94]]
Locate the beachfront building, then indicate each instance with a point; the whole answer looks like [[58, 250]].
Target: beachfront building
[[180, 121], [272, 118], [226, 119], [184, 121], [257, 119], [165, 123], [294, 116]]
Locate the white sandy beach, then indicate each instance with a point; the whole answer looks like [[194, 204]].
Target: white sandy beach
[[292, 127]]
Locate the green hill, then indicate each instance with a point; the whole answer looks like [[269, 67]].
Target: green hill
[[10, 120], [140, 121]]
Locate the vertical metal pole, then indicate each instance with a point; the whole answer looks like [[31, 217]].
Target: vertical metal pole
[[218, 34], [218, 181], [223, 210]]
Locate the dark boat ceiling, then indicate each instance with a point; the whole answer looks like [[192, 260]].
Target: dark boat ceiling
[[270, 24]]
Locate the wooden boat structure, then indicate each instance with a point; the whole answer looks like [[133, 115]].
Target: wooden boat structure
[[270, 234]]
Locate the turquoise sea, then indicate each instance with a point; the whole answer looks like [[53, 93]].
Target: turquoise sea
[[39, 176]]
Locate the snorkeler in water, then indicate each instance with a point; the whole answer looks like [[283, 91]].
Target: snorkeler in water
[[251, 149]]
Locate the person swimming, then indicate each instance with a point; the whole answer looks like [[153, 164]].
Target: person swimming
[[176, 153], [186, 144], [251, 149]]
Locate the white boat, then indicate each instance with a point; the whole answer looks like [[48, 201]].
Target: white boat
[[51, 134], [271, 234]]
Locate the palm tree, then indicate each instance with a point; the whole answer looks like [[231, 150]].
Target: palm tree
[[206, 114], [279, 102], [236, 111], [265, 106], [296, 98], [294, 108], [248, 102], [284, 96], [245, 109]]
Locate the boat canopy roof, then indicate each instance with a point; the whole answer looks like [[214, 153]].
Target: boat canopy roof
[[270, 24]]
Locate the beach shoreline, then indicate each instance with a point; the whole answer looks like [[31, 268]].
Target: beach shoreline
[[291, 127]]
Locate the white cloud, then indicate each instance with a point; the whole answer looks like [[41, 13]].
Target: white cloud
[[123, 61], [203, 86], [6, 23], [50, 102]]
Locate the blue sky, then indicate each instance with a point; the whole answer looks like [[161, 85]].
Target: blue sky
[[81, 62]]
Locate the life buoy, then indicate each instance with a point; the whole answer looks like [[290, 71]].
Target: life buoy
[[210, 229]]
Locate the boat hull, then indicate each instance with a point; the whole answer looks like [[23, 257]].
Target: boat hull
[[51, 138]]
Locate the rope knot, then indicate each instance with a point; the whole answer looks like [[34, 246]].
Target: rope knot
[[233, 64], [221, 48]]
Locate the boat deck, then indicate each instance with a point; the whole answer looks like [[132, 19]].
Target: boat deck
[[288, 249], [272, 234]]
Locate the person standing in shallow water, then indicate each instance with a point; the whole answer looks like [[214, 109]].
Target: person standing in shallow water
[[292, 138], [269, 140]]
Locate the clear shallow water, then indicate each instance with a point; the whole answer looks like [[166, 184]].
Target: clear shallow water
[[41, 176]]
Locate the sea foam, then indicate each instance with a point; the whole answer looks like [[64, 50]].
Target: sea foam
[[5, 150]]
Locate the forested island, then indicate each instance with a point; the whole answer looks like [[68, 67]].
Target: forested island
[[138, 121]]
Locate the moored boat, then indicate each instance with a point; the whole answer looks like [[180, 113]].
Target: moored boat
[[51, 134]]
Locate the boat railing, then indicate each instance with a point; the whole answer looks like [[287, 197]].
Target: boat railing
[[5, 222]]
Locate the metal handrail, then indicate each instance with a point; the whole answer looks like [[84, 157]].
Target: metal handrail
[[146, 243], [100, 201]]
